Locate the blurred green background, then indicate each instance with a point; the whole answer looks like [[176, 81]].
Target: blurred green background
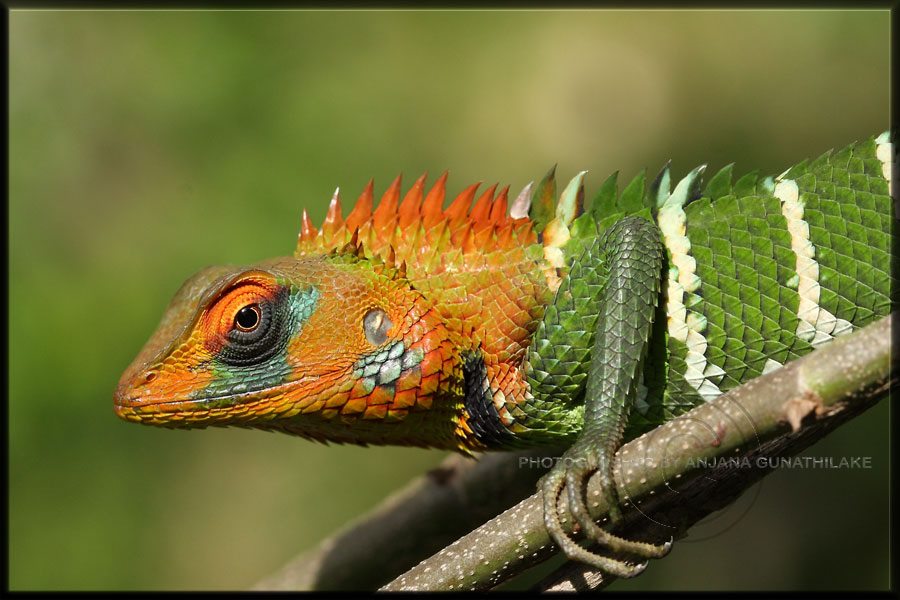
[[146, 145]]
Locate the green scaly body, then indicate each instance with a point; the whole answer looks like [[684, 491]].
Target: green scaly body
[[730, 304]]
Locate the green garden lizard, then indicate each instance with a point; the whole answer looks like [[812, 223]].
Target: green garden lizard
[[509, 324]]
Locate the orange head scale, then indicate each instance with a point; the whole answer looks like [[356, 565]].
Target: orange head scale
[[361, 335]]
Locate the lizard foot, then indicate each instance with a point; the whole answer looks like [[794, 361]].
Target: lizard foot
[[572, 473]]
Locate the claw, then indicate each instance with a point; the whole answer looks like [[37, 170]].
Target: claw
[[639, 568], [574, 479], [576, 484]]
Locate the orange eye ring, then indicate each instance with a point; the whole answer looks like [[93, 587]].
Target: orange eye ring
[[238, 310]]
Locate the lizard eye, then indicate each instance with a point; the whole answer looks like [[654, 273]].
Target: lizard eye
[[376, 324], [248, 318], [247, 324]]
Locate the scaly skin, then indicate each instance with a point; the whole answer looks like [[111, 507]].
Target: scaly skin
[[496, 327]]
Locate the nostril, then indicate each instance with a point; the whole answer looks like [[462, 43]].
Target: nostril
[[149, 376]]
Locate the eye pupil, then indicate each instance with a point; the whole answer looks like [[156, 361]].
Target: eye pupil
[[247, 318]]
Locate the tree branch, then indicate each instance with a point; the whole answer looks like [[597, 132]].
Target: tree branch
[[411, 524], [686, 468]]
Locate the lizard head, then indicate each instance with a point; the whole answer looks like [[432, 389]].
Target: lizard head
[[362, 335], [291, 344]]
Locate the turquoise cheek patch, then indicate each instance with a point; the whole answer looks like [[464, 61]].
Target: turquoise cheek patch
[[301, 305]]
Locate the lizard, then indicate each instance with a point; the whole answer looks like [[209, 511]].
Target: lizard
[[534, 321]]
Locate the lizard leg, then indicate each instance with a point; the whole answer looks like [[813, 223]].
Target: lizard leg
[[632, 261]]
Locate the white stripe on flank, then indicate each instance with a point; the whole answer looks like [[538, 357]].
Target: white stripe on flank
[[771, 365], [816, 325], [884, 150], [684, 325]]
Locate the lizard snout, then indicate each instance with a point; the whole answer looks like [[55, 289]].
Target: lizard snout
[[138, 392], [129, 396]]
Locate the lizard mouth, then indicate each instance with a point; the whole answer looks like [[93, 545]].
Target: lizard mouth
[[141, 404], [187, 411]]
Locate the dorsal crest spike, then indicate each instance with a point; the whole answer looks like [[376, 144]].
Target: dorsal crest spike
[[387, 206], [418, 231], [484, 236], [391, 258], [719, 184], [660, 189], [571, 201], [307, 229], [458, 233], [498, 209], [347, 249], [438, 189], [520, 206], [685, 190], [394, 188], [352, 247], [334, 206], [605, 201], [409, 209], [432, 207], [362, 210], [504, 234], [635, 196], [525, 234], [459, 208], [333, 219], [543, 202], [468, 241], [482, 209]]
